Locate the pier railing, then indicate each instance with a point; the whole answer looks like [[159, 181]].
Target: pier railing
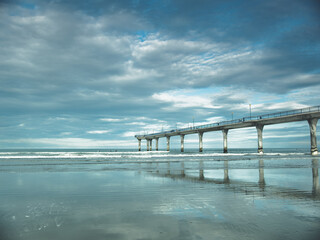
[[240, 120]]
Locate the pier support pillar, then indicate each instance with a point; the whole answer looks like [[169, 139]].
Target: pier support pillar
[[182, 142], [168, 143], [313, 135], [259, 131], [139, 140], [200, 141], [150, 144], [157, 144], [225, 142]]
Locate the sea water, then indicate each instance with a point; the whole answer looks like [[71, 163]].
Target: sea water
[[126, 194]]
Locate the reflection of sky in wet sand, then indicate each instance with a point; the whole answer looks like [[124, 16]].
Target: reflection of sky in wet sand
[[177, 200]]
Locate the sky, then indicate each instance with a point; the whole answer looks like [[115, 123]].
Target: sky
[[92, 74]]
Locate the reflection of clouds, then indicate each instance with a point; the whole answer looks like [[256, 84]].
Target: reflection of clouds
[[34, 218], [19, 182], [192, 209], [121, 204], [298, 179]]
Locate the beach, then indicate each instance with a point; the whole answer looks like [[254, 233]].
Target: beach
[[126, 194]]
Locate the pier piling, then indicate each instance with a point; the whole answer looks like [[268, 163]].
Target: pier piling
[[200, 141], [182, 142], [259, 131], [139, 140], [168, 143], [157, 144], [313, 135], [225, 143], [148, 145]]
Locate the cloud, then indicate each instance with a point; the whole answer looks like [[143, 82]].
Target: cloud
[[98, 131], [71, 143], [130, 134], [140, 66], [111, 119], [181, 99]]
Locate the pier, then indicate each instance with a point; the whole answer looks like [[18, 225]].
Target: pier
[[310, 114]]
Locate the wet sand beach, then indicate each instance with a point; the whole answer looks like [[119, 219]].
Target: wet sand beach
[[159, 195]]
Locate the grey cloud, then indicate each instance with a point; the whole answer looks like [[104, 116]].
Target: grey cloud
[[229, 97], [64, 52], [108, 58]]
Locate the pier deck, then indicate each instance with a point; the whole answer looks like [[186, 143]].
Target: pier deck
[[310, 114]]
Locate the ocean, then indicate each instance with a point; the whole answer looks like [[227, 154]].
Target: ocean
[[126, 194]]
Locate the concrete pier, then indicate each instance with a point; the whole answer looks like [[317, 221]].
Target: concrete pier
[[157, 144], [310, 114], [168, 143], [259, 131], [225, 143], [313, 135], [148, 144], [182, 142], [139, 140], [200, 141]]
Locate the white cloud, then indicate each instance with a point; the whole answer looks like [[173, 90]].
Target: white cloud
[[183, 99], [66, 133], [155, 127], [136, 123], [214, 119], [130, 134], [112, 119], [133, 74], [289, 105], [72, 142], [98, 131]]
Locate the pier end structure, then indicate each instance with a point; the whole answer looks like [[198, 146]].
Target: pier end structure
[[310, 114]]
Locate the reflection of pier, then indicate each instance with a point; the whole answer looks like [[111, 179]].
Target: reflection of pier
[[315, 177], [244, 186]]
